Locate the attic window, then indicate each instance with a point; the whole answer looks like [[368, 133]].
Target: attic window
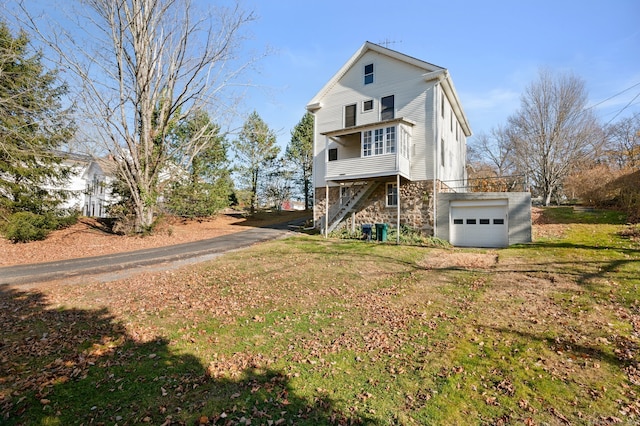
[[368, 74]]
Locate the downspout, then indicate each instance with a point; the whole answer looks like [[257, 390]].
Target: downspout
[[435, 156], [326, 186], [398, 211], [313, 169], [326, 209]]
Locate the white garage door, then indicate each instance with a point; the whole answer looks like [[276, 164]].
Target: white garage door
[[479, 223]]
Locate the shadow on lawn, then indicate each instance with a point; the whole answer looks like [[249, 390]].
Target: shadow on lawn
[[76, 366], [600, 268], [622, 354]]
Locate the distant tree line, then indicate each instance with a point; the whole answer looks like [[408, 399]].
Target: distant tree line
[[556, 146]]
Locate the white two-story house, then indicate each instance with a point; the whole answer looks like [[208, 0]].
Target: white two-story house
[[88, 185], [390, 132]]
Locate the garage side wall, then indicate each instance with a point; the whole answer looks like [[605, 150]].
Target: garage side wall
[[519, 211]]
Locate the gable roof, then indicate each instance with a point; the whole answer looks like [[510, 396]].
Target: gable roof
[[432, 72]]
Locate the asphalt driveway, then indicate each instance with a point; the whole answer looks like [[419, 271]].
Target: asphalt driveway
[[120, 265]]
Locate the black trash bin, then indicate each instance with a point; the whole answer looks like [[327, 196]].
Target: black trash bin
[[381, 231], [366, 231]]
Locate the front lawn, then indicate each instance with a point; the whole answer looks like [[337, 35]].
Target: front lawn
[[313, 331]]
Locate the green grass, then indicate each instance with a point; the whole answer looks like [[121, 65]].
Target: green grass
[[312, 331]]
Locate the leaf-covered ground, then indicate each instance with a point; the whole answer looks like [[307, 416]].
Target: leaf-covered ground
[[313, 331], [90, 237]]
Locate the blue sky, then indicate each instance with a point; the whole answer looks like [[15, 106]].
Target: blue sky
[[493, 50]]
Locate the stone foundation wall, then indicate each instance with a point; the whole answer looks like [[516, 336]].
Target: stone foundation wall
[[416, 207]]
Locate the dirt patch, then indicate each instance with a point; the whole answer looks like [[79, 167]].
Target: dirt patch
[[460, 260], [542, 228]]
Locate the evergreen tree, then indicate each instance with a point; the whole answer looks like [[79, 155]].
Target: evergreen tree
[[33, 125], [300, 153], [207, 188], [255, 148]]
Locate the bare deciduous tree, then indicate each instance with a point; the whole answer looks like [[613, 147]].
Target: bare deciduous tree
[[495, 149], [552, 131], [624, 138], [143, 65]]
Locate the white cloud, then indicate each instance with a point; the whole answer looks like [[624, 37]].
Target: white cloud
[[492, 100]]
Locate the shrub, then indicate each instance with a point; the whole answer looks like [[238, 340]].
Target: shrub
[[22, 227], [408, 236]]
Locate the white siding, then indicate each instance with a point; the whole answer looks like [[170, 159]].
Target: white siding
[[415, 100], [391, 77], [362, 167], [453, 170]]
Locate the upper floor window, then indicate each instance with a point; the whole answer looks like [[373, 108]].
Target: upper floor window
[[404, 143], [366, 144], [367, 105], [387, 108], [350, 115], [379, 141], [333, 154], [390, 140], [368, 74], [451, 120]]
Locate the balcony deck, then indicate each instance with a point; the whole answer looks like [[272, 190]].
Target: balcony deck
[[368, 167]]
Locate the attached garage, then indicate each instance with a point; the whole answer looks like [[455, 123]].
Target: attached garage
[[482, 223], [484, 219]]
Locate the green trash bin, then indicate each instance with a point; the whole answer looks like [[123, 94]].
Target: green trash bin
[[381, 232]]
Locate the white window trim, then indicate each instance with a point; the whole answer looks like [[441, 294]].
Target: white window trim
[[395, 112], [372, 74], [373, 106], [385, 141], [355, 114], [387, 194], [362, 140]]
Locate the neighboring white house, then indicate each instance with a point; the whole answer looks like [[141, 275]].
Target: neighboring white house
[[88, 185], [390, 131]]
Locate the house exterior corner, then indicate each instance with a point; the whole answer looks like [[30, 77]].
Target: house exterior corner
[[387, 126]]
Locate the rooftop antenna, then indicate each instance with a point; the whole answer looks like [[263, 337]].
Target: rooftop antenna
[[386, 42]]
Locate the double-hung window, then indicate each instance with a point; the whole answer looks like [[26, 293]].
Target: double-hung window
[[392, 194], [390, 140], [366, 144], [378, 142], [368, 74], [404, 143], [350, 115], [387, 108]]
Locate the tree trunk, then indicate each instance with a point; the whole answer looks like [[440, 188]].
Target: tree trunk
[[254, 191], [144, 217]]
